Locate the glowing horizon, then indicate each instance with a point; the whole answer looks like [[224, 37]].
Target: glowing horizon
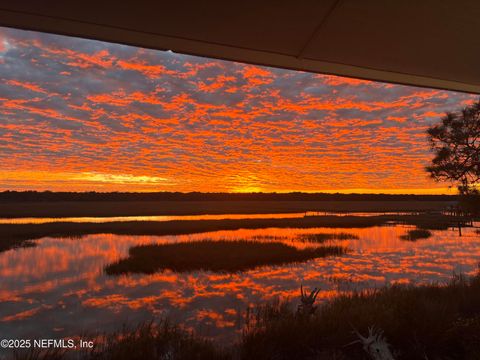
[[83, 115]]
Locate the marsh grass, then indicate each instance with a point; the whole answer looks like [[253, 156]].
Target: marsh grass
[[7, 244], [39, 354], [425, 322], [160, 340], [14, 235], [416, 234], [322, 237], [217, 256]]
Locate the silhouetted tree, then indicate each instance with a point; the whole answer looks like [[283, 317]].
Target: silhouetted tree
[[455, 140]]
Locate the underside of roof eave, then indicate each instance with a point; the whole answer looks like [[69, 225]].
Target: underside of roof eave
[[218, 51]]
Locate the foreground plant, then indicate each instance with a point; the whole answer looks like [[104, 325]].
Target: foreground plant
[[154, 341], [420, 322], [160, 340], [307, 307], [375, 344]]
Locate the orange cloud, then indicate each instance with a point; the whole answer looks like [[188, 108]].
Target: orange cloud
[[28, 86], [151, 71], [82, 115]]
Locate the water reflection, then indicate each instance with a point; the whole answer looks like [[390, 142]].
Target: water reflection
[[59, 288], [148, 218], [44, 220]]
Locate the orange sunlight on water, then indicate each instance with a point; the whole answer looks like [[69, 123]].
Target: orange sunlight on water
[[59, 287]]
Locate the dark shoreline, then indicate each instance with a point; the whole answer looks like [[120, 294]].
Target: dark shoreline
[[14, 209]]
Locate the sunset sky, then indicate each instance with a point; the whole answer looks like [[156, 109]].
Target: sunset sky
[[85, 115]]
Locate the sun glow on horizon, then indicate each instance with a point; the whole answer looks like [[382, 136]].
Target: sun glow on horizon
[[119, 178], [61, 181]]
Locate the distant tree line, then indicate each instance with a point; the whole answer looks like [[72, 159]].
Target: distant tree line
[[199, 196]]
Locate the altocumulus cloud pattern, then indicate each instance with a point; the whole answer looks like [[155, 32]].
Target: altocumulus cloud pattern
[[87, 115]]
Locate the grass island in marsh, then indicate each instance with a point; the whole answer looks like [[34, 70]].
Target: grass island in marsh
[[216, 256], [416, 234]]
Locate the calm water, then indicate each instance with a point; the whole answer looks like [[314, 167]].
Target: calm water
[[59, 288], [147, 218], [43, 220]]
